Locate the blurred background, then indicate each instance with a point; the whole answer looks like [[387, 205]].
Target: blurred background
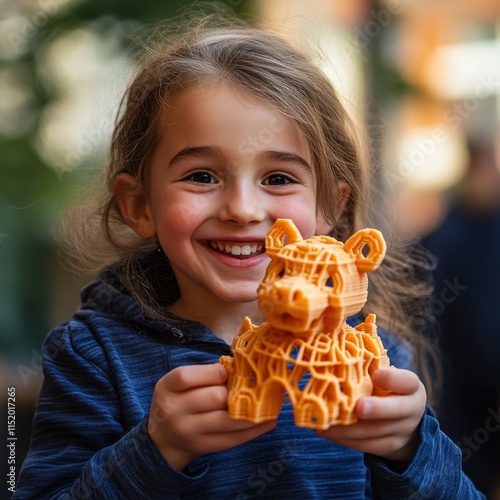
[[421, 76]]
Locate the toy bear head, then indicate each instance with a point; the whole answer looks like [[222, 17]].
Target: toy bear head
[[313, 285]]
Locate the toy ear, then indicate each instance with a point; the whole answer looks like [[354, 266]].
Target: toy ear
[[376, 252], [282, 232]]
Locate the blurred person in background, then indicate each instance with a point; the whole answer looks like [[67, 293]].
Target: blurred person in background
[[466, 305]]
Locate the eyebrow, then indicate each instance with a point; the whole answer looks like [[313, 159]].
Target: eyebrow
[[194, 152], [286, 157], [213, 151]]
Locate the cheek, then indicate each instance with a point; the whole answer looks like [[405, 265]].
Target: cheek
[[303, 217], [176, 219]]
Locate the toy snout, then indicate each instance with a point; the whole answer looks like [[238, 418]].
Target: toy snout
[[293, 304]]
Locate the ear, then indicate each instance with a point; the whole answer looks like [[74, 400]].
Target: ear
[[376, 249], [133, 205], [344, 191]]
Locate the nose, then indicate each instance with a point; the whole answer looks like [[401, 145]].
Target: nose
[[241, 203], [298, 296], [293, 304]]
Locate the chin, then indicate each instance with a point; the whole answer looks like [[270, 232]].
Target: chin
[[240, 297]]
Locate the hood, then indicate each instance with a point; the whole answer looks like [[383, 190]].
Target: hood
[[112, 295]]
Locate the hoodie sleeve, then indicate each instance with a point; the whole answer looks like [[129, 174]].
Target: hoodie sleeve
[[435, 471], [80, 447]]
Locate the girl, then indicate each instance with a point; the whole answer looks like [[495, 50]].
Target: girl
[[223, 131]]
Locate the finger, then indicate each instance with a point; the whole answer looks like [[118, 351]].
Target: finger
[[397, 381], [219, 421], [392, 407], [195, 428], [241, 435], [211, 443], [368, 429], [183, 378], [223, 432], [206, 399]]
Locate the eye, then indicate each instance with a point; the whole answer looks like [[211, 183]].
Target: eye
[[201, 178], [278, 180]]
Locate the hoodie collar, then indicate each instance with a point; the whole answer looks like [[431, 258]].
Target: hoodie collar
[[111, 295]]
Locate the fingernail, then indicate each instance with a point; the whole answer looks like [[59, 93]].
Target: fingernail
[[222, 372], [367, 408]]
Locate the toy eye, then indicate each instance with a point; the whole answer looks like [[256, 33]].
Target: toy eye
[[280, 271], [277, 272]]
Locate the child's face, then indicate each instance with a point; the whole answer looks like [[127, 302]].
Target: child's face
[[226, 167]]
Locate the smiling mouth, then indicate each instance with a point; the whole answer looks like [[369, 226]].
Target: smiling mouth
[[237, 249]]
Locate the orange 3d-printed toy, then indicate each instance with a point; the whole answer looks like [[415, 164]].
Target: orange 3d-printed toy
[[305, 351]]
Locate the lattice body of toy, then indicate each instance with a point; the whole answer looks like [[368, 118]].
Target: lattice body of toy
[[306, 351]]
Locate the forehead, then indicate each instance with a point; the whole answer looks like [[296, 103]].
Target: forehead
[[215, 110]]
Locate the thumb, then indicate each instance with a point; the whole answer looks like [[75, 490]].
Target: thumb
[[394, 380]]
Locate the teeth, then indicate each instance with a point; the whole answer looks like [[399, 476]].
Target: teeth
[[236, 250]]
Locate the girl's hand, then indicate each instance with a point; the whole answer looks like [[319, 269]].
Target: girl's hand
[[388, 425], [189, 416]]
